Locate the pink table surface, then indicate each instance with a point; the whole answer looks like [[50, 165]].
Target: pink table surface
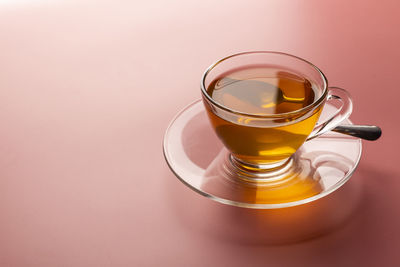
[[87, 89]]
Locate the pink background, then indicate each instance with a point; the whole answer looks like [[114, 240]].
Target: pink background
[[87, 89]]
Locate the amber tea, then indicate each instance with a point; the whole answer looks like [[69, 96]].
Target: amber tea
[[263, 91]]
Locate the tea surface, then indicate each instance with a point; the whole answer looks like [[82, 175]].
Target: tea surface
[[251, 91]]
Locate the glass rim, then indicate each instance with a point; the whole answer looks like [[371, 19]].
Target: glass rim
[[316, 103]]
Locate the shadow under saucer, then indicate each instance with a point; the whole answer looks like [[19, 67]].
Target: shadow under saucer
[[266, 226]]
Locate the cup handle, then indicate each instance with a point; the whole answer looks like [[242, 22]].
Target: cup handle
[[334, 94]]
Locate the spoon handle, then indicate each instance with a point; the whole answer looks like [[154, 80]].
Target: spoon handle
[[367, 132]]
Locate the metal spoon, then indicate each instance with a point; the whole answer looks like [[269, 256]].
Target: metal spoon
[[366, 132]]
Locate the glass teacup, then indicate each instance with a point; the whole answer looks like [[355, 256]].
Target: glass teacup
[[264, 105]]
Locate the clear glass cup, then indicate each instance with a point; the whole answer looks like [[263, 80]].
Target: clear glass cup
[[262, 145]]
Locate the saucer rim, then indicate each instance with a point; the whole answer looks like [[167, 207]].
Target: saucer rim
[[255, 205]]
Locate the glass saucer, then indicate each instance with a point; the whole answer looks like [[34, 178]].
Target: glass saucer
[[197, 157]]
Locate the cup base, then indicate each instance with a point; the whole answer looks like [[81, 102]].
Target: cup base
[[293, 180], [259, 172]]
